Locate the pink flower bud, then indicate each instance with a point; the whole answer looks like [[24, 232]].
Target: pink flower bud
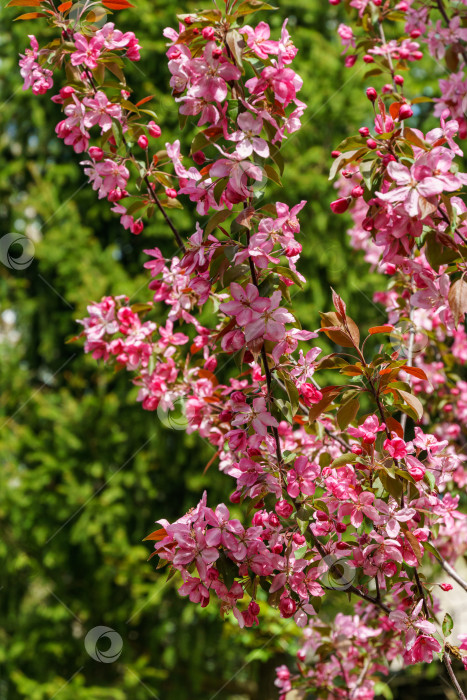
[[117, 194], [405, 112], [415, 33], [334, 2], [137, 227], [399, 79], [277, 548], [216, 52], [335, 154], [66, 91], [356, 449], [339, 206], [341, 527], [199, 157], [377, 3], [390, 269], [402, 6], [287, 607], [96, 153], [143, 141], [253, 607], [371, 143], [364, 131], [350, 60], [368, 224], [298, 539], [274, 520], [417, 55], [387, 89], [371, 94], [154, 129], [357, 191], [235, 497], [445, 586], [170, 192], [284, 509], [368, 59], [387, 158], [208, 33]]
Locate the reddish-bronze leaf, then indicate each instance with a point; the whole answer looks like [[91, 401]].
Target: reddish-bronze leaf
[[206, 374], [65, 6], [117, 4], [24, 3], [415, 372], [156, 535], [144, 100], [380, 329], [412, 401], [394, 109], [394, 426], [31, 15], [457, 299]]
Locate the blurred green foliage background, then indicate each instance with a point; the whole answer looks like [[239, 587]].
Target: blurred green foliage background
[[84, 471]]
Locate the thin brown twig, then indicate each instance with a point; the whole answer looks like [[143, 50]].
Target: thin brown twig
[[155, 198], [452, 677]]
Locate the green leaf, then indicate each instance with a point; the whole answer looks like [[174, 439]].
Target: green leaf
[[214, 221], [272, 174], [448, 624], [250, 6], [219, 188], [347, 413], [342, 460], [289, 274], [117, 132]]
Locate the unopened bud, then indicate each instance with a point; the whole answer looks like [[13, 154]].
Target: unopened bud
[[357, 191], [96, 153], [405, 112], [199, 157], [137, 227], [154, 129], [339, 206], [208, 33]]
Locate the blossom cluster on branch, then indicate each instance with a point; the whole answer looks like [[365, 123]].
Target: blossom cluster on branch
[[347, 495]]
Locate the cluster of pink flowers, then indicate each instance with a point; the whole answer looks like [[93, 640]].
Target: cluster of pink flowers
[[342, 498], [36, 77]]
